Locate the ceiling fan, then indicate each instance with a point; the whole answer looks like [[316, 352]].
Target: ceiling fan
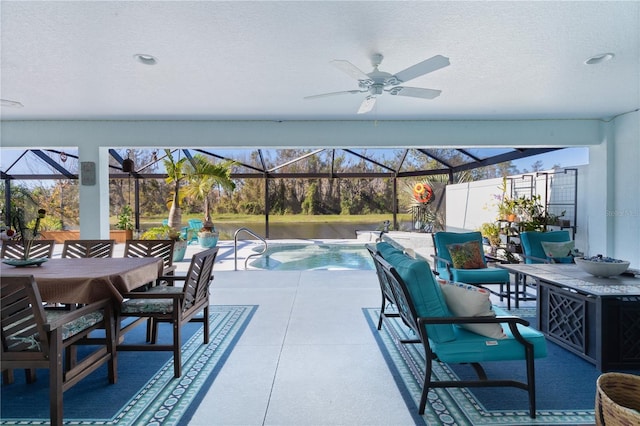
[[376, 82]]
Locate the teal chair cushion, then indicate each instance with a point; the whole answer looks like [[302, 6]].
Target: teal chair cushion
[[425, 293], [480, 276], [442, 239], [471, 347], [470, 276], [532, 244], [385, 249]]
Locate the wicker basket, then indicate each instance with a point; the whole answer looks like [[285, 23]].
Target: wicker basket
[[618, 400]]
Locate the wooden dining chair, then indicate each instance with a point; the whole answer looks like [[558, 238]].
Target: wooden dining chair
[[33, 337], [14, 249], [152, 248], [175, 305], [80, 249]]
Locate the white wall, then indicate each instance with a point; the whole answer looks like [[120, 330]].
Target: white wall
[[608, 202], [471, 204], [624, 216]]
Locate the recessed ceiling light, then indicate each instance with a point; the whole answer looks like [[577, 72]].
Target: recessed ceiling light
[[143, 58], [598, 59], [10, 103]]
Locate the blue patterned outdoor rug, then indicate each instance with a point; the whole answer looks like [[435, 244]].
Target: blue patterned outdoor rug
[[565, 384], [146, 391]]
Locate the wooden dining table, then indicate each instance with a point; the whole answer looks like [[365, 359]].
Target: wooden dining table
[[89, 280]]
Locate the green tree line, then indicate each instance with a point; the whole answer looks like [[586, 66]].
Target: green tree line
[[309, 196]]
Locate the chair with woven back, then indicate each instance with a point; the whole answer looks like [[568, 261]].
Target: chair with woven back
[[78, 249], [171, 304], [15, 249], [33, 337]]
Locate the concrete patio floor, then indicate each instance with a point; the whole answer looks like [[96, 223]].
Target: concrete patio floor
[[308, 356]]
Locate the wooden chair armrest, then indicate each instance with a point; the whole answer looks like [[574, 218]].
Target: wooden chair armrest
[[170, 279], [169, 270], [79, 312], [153, 295]]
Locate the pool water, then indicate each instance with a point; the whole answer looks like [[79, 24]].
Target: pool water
[[304, 257]]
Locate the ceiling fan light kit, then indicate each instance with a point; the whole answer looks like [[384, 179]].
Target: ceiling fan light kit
[[598, 59], [377, 82], [145, 59]]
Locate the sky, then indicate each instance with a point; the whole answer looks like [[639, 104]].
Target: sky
[[568, 157]]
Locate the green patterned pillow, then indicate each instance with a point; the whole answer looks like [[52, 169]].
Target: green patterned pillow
[[467, 255]]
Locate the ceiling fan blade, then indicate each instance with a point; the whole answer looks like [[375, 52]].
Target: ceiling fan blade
[[350, 69], [367, 104], [415, 92], [424, 67], [344, 92]]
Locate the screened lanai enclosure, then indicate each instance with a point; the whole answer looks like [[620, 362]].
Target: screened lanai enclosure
[[269, 182]]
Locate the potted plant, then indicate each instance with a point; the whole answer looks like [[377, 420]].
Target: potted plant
[[208, 236], [204, 177], [124, 226], [491, 231], [166, 232]]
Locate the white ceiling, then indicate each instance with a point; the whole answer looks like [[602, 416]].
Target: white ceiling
[[257, 60]]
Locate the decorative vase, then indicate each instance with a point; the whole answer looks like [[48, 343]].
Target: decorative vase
[[179, 250], [208, 239]]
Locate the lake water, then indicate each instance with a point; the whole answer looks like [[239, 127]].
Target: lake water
[[282, 231]]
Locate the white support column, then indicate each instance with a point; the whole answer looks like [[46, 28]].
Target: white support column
[[94, 192], [601, 184]]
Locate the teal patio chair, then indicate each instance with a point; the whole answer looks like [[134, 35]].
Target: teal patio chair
[[195, 225], [459, 258], [558, 251]]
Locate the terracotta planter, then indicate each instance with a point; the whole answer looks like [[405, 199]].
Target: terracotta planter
[[60, 237], [121, 235]]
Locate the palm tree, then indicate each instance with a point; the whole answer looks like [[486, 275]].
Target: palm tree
[[176, 171], [204, 176]]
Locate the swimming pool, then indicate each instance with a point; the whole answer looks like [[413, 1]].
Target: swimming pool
[[304, 257]]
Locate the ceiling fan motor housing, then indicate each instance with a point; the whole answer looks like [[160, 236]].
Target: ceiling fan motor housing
[[376, 89]]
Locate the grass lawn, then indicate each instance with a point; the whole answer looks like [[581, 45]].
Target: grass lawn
[[147, 222]]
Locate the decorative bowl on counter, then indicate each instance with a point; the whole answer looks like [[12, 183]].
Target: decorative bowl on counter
[[602, 266]]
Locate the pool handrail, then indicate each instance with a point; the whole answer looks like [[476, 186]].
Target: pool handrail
[[235, 247]]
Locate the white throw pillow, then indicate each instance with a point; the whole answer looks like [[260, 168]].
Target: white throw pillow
[[555, 250], [465, 300]]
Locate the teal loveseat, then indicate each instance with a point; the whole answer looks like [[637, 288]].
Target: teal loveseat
[[422, 306]]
